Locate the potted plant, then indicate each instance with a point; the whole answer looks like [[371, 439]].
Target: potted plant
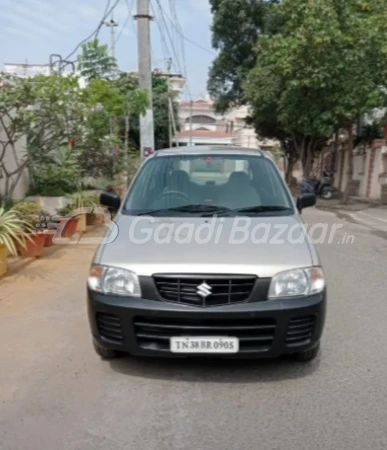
[[81, 200], [78, 202], [92, 218], [67, 222], [33, 241], [11, 228], [48, 227]]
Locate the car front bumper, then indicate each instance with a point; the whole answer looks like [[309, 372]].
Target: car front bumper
[[265, 329]]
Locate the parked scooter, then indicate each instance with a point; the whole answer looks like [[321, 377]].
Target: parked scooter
[[322, 188]]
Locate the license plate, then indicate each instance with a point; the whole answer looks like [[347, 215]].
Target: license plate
[[204, 345]]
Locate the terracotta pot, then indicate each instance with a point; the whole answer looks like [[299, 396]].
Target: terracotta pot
[[33, 245], [48, 237], [3, 260], [93, 219], [81, 225], [69, 226]]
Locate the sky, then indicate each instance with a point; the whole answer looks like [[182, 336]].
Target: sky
[[32, 30]]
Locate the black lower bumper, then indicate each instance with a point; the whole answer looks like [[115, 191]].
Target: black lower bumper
[[265, 329]]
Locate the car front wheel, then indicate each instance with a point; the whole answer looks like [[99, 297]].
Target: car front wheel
[[308, 355], [104, 353]]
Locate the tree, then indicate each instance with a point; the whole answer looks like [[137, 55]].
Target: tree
[[235, 44], [327, 66], [237, 57], [94, 61], [106, 100], [56, 113], [318, 65], [12, 126], [39, 115]]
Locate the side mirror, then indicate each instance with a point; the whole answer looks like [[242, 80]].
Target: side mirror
[[305, 201], [110, 200]]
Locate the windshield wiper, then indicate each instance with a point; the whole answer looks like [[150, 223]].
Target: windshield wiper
[[262, 209], [188, 209], [210, 210]]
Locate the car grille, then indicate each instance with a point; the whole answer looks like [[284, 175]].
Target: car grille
[[300, 330], [253, 334], [109, 327], [221, 290]]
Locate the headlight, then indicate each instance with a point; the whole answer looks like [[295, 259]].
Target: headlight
[[297, 283], [111, 280]]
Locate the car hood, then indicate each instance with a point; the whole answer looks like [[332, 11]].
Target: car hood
[[150, 245]]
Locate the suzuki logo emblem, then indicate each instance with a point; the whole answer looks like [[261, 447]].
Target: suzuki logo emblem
[[204, 290]]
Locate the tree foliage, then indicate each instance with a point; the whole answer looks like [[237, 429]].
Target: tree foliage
[[56, 113], [94, 61], [325, 69], [236, 27], [98, 125], [318, 65], [37, 114], [110, 103]]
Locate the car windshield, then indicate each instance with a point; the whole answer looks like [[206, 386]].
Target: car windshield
[[203, 185]]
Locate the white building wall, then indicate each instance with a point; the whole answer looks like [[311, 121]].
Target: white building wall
[[11, 164], [362, 171], [205, 141], [364, 181], [197, 126], [376, 189]]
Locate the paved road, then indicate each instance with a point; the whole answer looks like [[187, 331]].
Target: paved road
[[56, 394], [373, 218]]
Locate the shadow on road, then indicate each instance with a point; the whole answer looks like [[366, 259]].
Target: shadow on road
[[215, 370]]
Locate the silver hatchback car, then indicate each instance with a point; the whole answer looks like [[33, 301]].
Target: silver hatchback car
[[210, 258]]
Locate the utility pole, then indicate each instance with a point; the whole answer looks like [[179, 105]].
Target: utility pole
[[112, 24], [147, 135], [170, 115], [171, 112], [190, 122]]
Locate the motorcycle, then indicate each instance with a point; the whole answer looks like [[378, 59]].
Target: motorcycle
[[322, 188]]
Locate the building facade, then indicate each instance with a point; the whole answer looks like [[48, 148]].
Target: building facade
[[200, 124]]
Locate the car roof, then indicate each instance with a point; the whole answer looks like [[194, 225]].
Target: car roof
[[208, 149]]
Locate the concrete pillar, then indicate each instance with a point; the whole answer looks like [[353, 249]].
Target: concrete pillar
[[371, 166], [375, 168], [343, 169]]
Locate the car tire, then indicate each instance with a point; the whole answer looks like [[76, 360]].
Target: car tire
[[308, 355], [104, 353]]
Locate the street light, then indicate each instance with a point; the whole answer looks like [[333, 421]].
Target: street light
[[112, 24]]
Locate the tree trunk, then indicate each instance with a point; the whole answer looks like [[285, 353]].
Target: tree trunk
[[14, 183], [308, 163], [308, 151], [350, 164], [289, 170], [285, 165], [335, 154], [6, 186]]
